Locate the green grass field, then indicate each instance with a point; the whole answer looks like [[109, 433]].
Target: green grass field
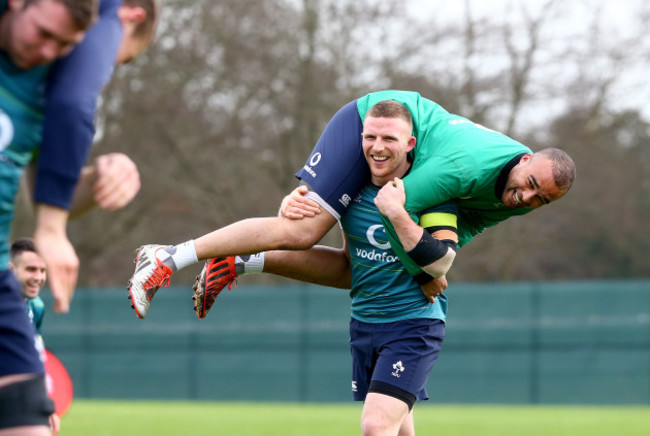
[[141, 418]]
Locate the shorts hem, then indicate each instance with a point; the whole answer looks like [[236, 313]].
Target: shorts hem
[[379, 387]]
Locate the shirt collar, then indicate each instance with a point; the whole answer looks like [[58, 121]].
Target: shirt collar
[[500, 185]]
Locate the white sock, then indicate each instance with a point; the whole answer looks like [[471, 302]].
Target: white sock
[[249, 264], [179, 256]]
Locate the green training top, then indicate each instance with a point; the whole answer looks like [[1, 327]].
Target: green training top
[[382, 290], [453, 158], [36, 311]]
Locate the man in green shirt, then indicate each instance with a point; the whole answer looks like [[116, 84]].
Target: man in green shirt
[[31, 272]]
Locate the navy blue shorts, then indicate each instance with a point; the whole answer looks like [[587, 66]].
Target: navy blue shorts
[[336, 169], [18, 353], [25, 403], [394, 358]]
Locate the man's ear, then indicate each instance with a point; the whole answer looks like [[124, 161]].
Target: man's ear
[[411, 143], [129, 14]]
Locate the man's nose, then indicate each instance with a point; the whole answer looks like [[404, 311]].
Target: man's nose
[[529, 198], [529, 194], [49, 51]]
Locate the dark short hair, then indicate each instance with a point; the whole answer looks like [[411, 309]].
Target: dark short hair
[[390, 109], [564, 169], [83, 12], [21, 245]]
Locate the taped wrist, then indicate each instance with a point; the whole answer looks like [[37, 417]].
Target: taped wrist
[[427, 250]]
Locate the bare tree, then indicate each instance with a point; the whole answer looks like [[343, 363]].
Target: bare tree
[[230, 100]]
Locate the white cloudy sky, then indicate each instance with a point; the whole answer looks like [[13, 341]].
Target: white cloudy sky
[[620, 24]]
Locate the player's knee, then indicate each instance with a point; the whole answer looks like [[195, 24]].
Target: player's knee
[[406, 430], [371, 426], [375, 422]]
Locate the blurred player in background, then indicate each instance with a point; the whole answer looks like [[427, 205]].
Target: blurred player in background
[[30, 271]]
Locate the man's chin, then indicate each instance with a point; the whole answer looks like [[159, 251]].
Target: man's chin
[[31, 294], [26, 64]]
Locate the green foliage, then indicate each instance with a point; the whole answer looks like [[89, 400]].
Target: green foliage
[[286, 419]]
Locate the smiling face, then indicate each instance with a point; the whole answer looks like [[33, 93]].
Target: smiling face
[[531, 184], [385, 143], [39, 33], [31, 272]]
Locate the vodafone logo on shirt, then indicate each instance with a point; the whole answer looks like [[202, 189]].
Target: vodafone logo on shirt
[[370, 234], [381, 254]]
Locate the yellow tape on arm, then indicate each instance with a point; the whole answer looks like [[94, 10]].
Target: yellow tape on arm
[[437, 219]]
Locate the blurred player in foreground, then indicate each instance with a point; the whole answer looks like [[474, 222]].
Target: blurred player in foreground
[[33, 34]]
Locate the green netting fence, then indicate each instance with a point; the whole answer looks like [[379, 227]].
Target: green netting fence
[[582, 342]]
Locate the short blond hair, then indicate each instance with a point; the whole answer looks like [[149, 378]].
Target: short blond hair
[[390, 109]]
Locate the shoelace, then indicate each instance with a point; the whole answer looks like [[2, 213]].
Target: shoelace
[[160, 277]]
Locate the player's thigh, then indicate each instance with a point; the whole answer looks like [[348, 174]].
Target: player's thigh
[[336, 169], [32, 430], [382, 413]]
